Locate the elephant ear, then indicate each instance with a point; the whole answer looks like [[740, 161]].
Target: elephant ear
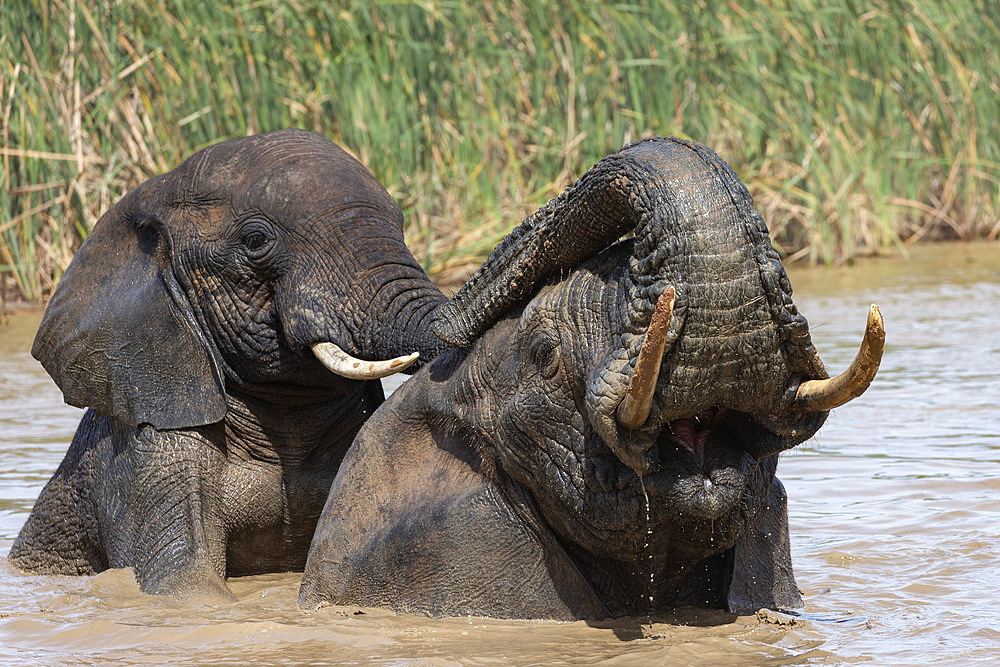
[[762, 565], [118, 335]]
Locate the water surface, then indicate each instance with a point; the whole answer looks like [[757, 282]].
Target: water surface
[[894, 510]]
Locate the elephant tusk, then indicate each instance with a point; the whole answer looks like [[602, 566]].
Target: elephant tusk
[[818, 395], [634, 408], [339, 362]]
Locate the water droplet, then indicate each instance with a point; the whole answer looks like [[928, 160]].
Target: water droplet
[[648, 551]]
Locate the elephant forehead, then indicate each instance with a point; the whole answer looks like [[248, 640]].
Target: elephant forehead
[[590, 300], [285, 174], [310, 182], [583, 306]]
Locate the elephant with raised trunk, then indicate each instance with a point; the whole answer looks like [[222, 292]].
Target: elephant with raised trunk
[[226, 323], [604, 442]]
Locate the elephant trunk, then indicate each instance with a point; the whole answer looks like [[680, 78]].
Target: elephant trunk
[[698, 235], [381, 312], [402, 318], [692, 219], [587, 217], [703, 238], [695, 230]]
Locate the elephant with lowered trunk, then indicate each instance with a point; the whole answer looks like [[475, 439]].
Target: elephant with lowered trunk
[[605, 443], [226, 324]]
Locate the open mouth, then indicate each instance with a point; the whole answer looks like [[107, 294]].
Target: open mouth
[[702, 442], [691, 433], [702, 461]]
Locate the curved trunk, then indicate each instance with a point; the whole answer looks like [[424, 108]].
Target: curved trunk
[[584, 219], [697, 232], [695, 227], [692, 219]]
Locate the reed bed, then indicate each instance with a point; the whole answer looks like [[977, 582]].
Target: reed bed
[[857, 126]]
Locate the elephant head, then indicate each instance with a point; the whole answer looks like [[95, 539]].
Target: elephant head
[[243, 269], [628, 415]]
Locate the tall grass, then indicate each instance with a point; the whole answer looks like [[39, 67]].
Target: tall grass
[[856, 125]]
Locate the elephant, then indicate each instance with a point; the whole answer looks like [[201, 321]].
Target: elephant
[[225, 325], [603, 439]]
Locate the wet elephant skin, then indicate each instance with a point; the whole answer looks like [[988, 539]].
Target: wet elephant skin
[[499, 482]]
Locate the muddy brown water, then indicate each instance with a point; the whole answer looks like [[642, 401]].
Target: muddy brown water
[[894, 510]]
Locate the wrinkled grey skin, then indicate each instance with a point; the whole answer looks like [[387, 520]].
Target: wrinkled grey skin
[[185, 323], [498, 482]]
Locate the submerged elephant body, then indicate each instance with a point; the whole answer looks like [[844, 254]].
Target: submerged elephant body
[[607, 448], [200, 322]]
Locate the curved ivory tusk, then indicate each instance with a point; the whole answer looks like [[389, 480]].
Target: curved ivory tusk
[[339, 362], [634, 408], [818, 395]]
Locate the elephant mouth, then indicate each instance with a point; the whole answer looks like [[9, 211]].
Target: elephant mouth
[[801, 404], [703, 463], [691, 433]]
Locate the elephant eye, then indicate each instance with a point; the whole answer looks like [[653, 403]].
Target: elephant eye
[[544, 352], [257, 237]]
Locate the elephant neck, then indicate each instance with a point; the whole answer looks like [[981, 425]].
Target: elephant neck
[[296, 428], [657, 582]]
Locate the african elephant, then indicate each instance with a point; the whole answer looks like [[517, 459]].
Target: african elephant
[[603, 442], [226, 324]]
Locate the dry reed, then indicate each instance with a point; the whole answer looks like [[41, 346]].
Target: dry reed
[[856, 127]]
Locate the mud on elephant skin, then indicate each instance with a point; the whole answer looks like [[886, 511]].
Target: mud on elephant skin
[[605, 443], [226, 324]]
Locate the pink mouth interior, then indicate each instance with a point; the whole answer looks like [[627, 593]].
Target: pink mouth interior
[[692, 432]]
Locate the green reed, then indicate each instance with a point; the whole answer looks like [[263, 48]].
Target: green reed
[[856, 126]]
